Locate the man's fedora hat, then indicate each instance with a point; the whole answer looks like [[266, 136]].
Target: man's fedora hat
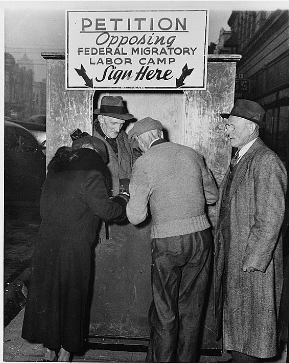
[[113, 106], [249, 110]]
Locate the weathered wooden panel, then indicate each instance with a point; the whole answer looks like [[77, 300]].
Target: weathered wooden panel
[[204, 127], [121, 289], [65, 110]]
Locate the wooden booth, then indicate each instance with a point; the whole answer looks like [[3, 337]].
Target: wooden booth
[[121, 292]]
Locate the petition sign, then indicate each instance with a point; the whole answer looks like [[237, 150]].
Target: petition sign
[[136, 49]]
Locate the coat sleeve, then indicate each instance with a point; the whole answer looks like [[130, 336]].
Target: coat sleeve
[[96, 196], [210, 186], [137, 207], [270, 184]]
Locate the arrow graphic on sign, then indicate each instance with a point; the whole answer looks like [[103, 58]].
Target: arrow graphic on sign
[[185, 73], [82, 73]]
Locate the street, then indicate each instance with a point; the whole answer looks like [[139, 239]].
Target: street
[[21, 225]]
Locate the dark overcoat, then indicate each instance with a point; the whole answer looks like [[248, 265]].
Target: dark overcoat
[[250, 236], [73, 200], [120, 165]]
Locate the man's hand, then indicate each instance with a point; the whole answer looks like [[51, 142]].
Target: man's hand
[[249, 269], [125, 193]]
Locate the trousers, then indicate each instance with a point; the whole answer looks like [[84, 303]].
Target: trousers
[[179, 277]]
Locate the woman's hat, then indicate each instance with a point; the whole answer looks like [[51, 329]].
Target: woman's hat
[[249, 110], [113, 106], [94, 143]]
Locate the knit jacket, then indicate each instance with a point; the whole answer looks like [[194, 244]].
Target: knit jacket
[[176, 184]]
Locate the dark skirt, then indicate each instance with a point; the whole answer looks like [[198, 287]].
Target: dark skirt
[[57, 295]]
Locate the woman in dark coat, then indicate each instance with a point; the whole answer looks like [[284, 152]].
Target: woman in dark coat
[[73, 200]]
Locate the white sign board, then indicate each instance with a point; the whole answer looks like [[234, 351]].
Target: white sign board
[[157, 49]]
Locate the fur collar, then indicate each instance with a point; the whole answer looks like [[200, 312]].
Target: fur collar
[[67, 159]]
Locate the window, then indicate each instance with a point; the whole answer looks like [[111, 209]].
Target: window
[[283, 134], [27, 145]]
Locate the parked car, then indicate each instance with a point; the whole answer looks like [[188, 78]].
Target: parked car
[[37, 127], [24, 165]]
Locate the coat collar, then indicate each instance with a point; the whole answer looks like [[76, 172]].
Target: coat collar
[[157, 142], [111, 151], [241, 168]]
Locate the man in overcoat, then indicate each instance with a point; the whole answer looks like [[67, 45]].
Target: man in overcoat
[[248, 250], [173, 181], [111, 117]]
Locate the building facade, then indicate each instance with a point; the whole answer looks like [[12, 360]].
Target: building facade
[[39, 98], [23, 97], [262, 39]]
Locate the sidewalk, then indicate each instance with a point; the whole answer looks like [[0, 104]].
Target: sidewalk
[[16, 349]]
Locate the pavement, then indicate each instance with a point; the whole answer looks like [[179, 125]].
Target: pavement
[[16, 349]]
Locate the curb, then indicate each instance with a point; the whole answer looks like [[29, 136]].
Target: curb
[[15, 295]]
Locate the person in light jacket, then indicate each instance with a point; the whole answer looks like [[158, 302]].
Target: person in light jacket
[[175, 183], [248, 250]]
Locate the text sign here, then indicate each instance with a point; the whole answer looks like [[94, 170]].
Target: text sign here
[[136, 49]]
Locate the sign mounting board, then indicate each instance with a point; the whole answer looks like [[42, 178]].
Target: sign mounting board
[[153, 50]]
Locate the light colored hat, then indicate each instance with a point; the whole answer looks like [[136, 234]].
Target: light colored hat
[[144, 125]]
